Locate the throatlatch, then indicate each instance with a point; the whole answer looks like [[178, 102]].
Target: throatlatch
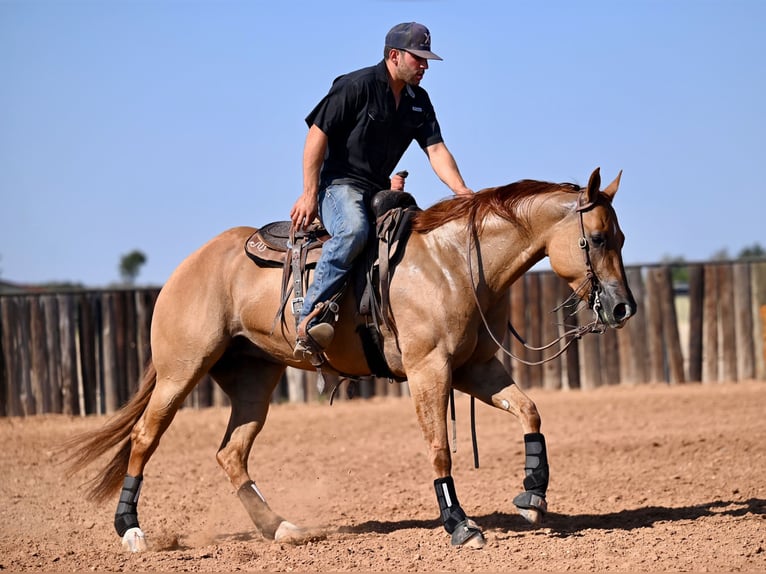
[[536, 473], [126, 516]]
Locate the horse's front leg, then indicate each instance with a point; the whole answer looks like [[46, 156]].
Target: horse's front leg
[[429, 388], [489, 382]]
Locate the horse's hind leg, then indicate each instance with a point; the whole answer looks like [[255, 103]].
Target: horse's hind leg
[[167, 397], [249, 383], [489, 382]]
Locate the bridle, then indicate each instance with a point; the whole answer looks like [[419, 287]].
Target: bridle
[[591, 281]]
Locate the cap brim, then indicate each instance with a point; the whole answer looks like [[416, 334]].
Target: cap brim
[[425, 54]]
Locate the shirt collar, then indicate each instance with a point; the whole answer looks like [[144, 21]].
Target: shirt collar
[[381, 73]]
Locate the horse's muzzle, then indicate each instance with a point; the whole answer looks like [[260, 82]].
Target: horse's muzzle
[[617, 306]]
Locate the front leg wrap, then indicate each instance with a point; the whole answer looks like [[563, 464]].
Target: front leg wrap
[[454, 519], [536, 474]]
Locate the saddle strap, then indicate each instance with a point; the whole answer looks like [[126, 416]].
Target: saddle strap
[[297, 259], [385, 225], [392, 230], [293, 268]]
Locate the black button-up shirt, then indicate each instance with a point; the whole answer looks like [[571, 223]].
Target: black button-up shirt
[[367, 134]]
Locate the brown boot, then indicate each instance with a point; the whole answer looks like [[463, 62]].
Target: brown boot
[[313, 341]]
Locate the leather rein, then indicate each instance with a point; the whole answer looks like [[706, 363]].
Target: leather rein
[[594, 302], [595, 326]]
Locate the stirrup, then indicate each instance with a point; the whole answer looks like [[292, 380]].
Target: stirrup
[[314, 341]]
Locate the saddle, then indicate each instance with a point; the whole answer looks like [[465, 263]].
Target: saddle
[[276, 245]]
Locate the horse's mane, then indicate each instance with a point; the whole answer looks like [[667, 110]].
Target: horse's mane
[[502, 201]]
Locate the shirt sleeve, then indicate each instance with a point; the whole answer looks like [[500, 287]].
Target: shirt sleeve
[[335, 111], [429, 132]]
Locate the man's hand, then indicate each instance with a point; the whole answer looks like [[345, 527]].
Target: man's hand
[[397, 181], [304, 211]]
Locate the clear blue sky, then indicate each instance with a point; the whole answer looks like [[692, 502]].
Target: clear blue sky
[[155, 125]]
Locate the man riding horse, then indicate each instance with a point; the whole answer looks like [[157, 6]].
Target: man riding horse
[[357, 135]]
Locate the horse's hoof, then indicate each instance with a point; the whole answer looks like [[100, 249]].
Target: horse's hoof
[[134, 540], [468, 535], [532, 507], [288, 532], [532, 515]]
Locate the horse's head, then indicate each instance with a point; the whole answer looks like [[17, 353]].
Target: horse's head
[[586, 251]]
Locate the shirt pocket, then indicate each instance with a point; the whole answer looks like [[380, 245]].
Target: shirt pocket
[[378, 129]]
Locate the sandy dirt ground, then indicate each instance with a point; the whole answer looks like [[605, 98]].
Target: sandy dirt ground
[[651, 478]]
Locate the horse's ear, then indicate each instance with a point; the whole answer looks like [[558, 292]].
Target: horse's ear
[[612, 188], [587, 199]]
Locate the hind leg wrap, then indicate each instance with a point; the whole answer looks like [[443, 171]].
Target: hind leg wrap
[[536, 473], [126, 516]]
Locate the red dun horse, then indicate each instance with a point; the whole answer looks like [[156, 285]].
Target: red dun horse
[[449, 299]]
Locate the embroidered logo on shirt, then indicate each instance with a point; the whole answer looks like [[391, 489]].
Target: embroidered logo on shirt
[[416, 109]]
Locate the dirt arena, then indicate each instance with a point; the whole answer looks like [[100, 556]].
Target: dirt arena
[[650, 478]]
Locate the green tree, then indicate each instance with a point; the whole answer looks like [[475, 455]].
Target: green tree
[[755, 251], [679, 271], [130, 266]]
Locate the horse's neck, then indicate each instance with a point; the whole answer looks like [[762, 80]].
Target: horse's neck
[[503, 252]]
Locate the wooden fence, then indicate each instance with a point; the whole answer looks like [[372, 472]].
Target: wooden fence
[[84, 352]]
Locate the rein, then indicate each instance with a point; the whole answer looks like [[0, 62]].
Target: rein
[[575, 333], [595, 326]]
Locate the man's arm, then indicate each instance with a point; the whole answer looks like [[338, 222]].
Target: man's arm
[[445, 166], [305, 209]]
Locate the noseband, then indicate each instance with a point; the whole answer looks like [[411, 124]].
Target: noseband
[[594, 301]]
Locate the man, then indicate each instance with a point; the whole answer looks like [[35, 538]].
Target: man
[[357, 135]]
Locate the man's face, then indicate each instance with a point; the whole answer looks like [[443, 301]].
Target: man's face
[[410, 68]]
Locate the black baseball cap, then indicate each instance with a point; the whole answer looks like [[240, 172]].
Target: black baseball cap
[[411, 37]]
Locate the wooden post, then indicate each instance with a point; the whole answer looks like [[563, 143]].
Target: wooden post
[[53, 347], [144, 302], [654, 328], [5, 346], [571, 357], [633, 337], [90, 353], [121, 343], [727, 322], [67, 352], [11, 317], [130, 369], [534, 327], [109, 364], [296, 385], [758, 291], [590, 347], [743, 312], [551, 290], [519, 371], [710, 326], [696, 318], [675, 358], [39, 374]]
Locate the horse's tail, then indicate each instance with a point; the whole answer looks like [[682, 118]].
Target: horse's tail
[[89, 446]]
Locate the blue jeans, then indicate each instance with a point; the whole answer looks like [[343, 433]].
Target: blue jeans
[[343, 212]]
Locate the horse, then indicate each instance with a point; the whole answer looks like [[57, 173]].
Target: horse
[[449, 300]]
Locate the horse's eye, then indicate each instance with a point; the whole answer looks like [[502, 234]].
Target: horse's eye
[[597, 239]]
